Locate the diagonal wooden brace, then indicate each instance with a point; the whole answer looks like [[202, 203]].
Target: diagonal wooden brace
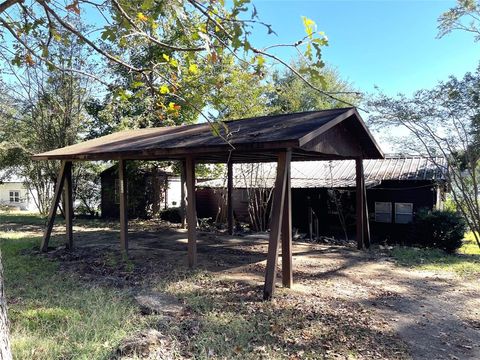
[[65, 167]]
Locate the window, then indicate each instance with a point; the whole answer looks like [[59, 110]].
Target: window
[[403, 213], [383, 212], [14, 196]]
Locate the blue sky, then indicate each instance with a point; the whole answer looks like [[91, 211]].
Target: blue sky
[[391, 44]]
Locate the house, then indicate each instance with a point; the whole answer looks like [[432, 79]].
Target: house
[[149, 191], [14, 195], [323, 194]]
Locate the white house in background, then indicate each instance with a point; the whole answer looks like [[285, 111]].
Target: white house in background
[[14, 194]]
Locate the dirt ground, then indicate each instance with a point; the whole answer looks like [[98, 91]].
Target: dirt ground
[[436, 314]]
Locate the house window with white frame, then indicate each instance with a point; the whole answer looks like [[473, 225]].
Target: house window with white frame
[[383, 212], [14, 196], [403, 213]]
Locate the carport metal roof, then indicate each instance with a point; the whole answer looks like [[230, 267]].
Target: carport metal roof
[[314, 135]]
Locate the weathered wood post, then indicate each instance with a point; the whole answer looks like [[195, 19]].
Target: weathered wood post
[[183, 192], [53, 208], [230, 197], [275, 225], [68, 196], [360, 204], [191, 212], [123, 186], [366, 221], [287, 269]]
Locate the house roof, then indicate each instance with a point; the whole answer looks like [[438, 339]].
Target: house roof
[[326, 134], [9, 177], [340, 173]]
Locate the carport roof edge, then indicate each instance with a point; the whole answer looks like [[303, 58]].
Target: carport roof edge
[[325, 134]]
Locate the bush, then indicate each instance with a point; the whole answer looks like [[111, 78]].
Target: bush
[[173, 215], [440, 229]]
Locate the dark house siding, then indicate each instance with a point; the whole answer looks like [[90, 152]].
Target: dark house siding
[[146, 190], [421, 194], [137, 194], [211, 202]]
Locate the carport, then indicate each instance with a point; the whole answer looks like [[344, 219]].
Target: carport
[[317, 135]]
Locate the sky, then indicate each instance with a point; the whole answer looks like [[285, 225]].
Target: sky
[[384, 43]]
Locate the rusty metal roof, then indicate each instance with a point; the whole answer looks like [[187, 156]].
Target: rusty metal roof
[[326, 134], [340, 173]]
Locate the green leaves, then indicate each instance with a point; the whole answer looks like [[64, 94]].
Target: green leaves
[[109, 33]]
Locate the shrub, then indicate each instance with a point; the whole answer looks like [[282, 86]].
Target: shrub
[[173, 215], [440, 229]]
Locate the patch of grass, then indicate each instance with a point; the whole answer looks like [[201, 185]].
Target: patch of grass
[[465, 263], [54, 315], [21, 217]]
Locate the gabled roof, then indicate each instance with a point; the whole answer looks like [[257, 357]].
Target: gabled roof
[[340, 173], [326, 134]]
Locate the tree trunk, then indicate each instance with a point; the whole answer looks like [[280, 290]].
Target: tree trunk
[[5, 353]]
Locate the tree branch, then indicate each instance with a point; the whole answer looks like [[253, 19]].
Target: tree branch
[[8, 3]]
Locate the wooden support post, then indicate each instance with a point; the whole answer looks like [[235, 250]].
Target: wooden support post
[[360, 205], [191, 212], [310, 222], [165, 192], [229, 197], [183, 191], [122, 184], [54, 206], [68, 210], [287, 271], [275, 226], [366, 220]]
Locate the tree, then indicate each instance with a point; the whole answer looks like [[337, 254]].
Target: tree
[[190, 35], [49, 113], [443, 121], [464, 16], [291, 95]]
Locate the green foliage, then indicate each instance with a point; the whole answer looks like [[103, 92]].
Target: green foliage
[[450, 205], [291, 94], [236, 88], [165, 58], [440, 229], [465, 263]]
